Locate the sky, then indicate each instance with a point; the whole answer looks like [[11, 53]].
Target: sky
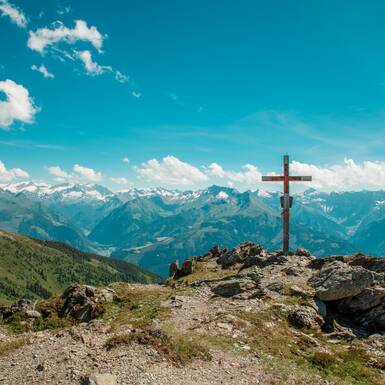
[[185, 94]]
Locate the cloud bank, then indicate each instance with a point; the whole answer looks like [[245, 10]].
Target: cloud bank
[[8, 175], [171, 171], [79, 174]]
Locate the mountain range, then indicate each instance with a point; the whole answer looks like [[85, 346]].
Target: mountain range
[[152, 227]]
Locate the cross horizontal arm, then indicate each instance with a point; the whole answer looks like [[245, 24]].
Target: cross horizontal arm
[[272, 178], [300, 178]]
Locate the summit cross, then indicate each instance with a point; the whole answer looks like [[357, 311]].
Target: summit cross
[[286, 199]]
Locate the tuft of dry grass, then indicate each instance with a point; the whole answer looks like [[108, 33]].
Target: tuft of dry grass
[[179, 349], [7, 346]]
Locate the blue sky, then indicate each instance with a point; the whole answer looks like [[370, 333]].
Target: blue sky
[[192, 92]]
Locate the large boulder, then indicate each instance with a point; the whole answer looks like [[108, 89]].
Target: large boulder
[[85, 303], [338, 280], [367, 299]]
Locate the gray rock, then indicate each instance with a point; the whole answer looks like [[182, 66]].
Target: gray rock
[[367, 299], [240, 254], [82, 302], [305, 318], [233, 287], [20, 306], [338, 280], [301, 252], [374, 319], [229, 258]]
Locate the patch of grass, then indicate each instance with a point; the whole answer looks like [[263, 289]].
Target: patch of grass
[[17, 323], [286, 352], [323, 360], [52, 322], [7, 346], [138, 306], [205, 271], [180, 349]]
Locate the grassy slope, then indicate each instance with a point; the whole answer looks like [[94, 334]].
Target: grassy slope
[[36, 269]]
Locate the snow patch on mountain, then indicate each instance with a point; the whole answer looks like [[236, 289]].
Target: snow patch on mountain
[[222, 195]]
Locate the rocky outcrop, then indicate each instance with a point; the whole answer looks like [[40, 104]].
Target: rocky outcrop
[[240, 254], [84, 303], [187, 268], [24, 306], [339, 280], [346, 289]]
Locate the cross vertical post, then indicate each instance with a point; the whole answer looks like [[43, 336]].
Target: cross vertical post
[[286, 205], [286, 199]]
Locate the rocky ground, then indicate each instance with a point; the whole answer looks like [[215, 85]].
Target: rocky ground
[[243, 316]]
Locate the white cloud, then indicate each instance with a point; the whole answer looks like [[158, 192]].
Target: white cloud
[[250, 175], [45, 37], [92, 68], [121, 77], [78, 174], [120, 181], [14, 13], [8, 175], [344, 177], [43, 70], [58, 172], [136, 94], [88, 173], [171, 171], [125, 160], [18, 106]]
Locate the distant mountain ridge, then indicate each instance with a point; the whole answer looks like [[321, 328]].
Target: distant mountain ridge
[[153, 226]]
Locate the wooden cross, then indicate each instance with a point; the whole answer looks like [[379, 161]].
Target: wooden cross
[[286, 199]]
